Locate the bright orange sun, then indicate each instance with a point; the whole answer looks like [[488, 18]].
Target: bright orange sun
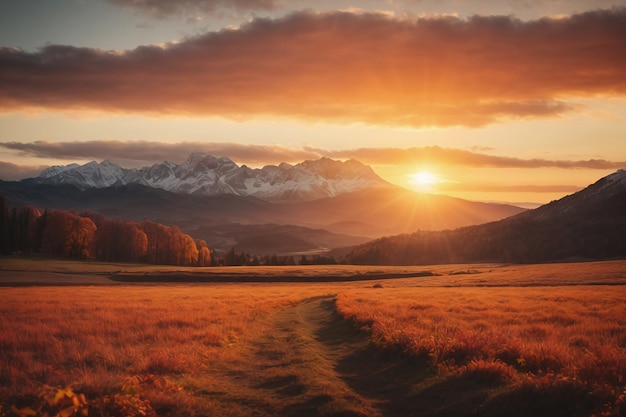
[[424, 179]]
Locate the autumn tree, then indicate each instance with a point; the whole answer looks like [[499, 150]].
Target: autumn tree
[[168, 245], [68, 235], [116, 240], [183, 249], [205, 257], [60, 233], [157, 241]]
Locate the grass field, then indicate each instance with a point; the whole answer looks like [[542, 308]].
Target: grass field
[[493, 340]]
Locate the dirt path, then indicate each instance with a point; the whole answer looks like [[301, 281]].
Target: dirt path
[[298, 362], [320, 365], [313, 362]]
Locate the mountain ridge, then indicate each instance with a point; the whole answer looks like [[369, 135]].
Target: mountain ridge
[[225, 204], [209, 175], [589, 224]]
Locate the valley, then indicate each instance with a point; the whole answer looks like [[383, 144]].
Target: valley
[[311, 207]]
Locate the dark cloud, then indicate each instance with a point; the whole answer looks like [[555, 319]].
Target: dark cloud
[[506, 188], [168, 8], [148, 152], [340, 67], [449, 156]]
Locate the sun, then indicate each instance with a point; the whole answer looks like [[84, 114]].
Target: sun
[[424, 179]]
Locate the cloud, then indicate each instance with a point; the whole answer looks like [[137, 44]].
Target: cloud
[[339, 67], [477, 148], [506, 188], [148, 152], [167, 8], [450, 156], [12, 172]]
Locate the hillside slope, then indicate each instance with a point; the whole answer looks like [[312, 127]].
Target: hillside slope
[[588, 224]]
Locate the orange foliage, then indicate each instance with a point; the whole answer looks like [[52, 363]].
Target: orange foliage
[[66, 234], [90, 235], [168, 245], [205, 258], [120, 241]]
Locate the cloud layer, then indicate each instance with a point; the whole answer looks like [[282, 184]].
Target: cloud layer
[[461, 157], [339, 67], [505, 188], [146, 152]]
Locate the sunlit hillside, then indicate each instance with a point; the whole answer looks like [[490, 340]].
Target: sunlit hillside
[[589, 224]]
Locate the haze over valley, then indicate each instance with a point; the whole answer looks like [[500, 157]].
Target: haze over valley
[[334, 204]]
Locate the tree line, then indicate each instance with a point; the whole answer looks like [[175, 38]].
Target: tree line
[[28, 230], [88, 235], [232, 258]]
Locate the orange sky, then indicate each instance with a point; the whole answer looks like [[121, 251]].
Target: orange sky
[[499, 107]]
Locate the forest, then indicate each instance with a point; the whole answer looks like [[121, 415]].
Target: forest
[[29, 230]]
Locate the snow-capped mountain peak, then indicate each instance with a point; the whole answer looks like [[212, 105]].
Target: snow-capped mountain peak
[[617, 178], [599, 196], [56, 169], [207, 174], [89, 175]]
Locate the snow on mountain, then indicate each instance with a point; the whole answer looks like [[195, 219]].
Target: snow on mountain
[[310, 180], [206, 174], [90, 175], [605, 186], [608, 193], [618, 178], [56, 169]]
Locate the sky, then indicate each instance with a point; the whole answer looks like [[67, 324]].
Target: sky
[[518, 101]]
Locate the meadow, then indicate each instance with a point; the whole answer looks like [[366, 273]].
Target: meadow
[[494, 340]]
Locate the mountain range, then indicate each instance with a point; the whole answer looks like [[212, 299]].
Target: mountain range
[[208, 175], [315, 205], [589, 224], [323, 205]]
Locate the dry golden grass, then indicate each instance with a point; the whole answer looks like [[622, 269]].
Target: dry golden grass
[[532, 336], [561, 329], [476, 339], [94, 337]]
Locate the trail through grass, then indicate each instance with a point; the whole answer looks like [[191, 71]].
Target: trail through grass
[[298, 361]]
